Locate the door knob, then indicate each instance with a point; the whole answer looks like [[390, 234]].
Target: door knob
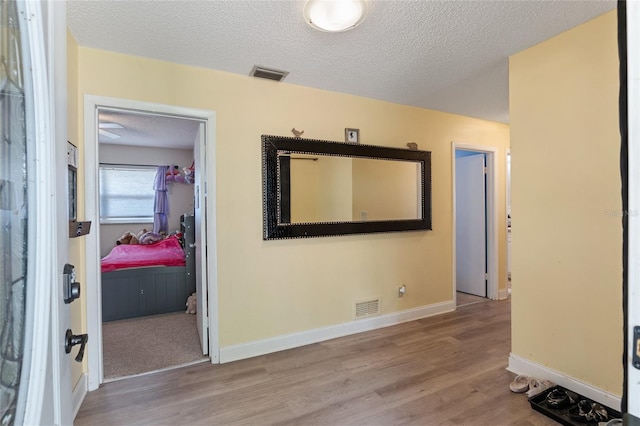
[[70, 340]]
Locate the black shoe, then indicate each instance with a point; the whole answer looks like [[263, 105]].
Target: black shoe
[[586, 412], [558, 398]]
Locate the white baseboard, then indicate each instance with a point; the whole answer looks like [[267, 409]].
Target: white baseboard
[[503, 294], [294, 340], [519, 365], [79, 392]]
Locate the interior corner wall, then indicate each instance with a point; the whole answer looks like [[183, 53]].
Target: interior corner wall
[[76, 245], [566, 205], [275, 288]]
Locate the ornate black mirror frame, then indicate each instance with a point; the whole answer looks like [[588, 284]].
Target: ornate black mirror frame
[[273, 228]]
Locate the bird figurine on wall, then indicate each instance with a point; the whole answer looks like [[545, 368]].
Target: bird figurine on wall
[[412, 146], [297, 133]]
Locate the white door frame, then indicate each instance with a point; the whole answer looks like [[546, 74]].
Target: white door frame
[[633, 274], [492, 215], [94, 306], [507, 177]]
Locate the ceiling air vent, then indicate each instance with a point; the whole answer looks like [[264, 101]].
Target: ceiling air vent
[[268, 73], [367, 308]]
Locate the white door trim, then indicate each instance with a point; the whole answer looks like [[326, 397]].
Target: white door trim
[[492, 214], [94, 308]]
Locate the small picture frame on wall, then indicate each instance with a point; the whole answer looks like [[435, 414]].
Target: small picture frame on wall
[[352, 135]]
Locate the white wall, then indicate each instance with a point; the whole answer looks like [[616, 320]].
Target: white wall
[[180, 195]]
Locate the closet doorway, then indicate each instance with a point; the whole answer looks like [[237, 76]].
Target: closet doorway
[[147, 305]]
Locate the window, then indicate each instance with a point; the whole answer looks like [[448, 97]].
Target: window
[[126, 193]]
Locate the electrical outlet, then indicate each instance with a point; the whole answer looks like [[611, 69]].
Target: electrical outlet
[[402, 290]]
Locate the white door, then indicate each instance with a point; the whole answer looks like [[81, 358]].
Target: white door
[[470, 225], [35, 383], [56, 40], [633, 302], [200, 213]]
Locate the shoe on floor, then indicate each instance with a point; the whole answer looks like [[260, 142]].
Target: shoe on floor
[[612, 422], [537, 386], [588, 412], [558, 399], [520, 384]]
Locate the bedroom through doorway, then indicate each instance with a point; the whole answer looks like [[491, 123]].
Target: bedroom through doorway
[[145, 324]]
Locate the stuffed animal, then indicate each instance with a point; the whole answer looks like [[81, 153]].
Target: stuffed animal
[[150, 238], [189, 174], [191, 304], [141, 233], [127, 238]]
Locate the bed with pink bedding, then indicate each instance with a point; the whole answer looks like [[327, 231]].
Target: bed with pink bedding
[[167, 252], [140, 280]]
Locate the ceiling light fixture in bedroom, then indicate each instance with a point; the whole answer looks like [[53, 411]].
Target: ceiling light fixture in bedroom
[[110, 135], [335, 15]]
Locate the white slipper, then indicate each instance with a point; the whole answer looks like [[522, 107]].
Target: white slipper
[[537, 386], [520, 384]]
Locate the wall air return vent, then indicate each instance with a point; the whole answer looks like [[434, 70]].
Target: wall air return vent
[[367, 308], [268, 73]]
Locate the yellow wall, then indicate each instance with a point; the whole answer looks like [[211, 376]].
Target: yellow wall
[[271, 288], [566, 205]]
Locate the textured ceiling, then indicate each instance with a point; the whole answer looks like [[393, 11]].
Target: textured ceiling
[[148, 130], [450, 56]]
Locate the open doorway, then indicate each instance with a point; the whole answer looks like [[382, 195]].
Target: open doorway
[[148, 305], [474, 219], [147, 237]]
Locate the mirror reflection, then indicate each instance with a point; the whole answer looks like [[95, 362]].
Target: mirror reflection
[[325, 188], [316, 188]]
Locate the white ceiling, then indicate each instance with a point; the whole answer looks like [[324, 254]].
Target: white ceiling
[[147, 130], [450, 56]]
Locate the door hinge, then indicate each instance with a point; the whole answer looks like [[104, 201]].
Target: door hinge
[[484, 169], [486, 276]]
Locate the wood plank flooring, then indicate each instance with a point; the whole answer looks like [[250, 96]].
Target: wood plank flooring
[[444, 370]]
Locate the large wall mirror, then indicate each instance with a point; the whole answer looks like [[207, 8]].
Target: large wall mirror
[[314, 188]]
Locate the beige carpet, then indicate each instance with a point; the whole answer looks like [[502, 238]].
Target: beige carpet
[[140, 345], [463, 299]]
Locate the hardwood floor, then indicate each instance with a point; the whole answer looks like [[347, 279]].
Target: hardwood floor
[[443, 370]]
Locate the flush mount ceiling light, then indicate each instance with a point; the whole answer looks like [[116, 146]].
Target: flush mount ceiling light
[[335, 15], [106, 133]]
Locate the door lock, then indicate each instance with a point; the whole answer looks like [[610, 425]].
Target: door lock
[[71, 290], [70, 340]]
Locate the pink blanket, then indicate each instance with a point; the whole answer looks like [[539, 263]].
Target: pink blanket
[[167, 252]]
